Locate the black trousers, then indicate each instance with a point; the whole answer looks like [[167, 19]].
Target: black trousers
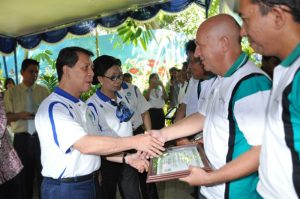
[[28, 148], [148, 190], [12, 189], [157, 118], [125, 176]]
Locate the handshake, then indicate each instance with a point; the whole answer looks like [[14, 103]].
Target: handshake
[[148, 145]]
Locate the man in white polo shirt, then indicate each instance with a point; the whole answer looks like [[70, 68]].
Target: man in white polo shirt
[[70, 141], [233, 119], [273, 29]]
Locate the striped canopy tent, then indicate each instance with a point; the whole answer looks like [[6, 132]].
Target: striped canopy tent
[[27, 23]]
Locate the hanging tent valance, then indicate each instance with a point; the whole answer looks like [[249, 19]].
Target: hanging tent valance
[[8, 44]]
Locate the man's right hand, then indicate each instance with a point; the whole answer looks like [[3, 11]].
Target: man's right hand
[[148, 144]]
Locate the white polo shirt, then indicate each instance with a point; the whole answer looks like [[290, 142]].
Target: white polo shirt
[[105, 112], [206, 86], [137, 102], [156, 98], [61, 120], [182, 90], [279, 168], [191, 97], [235, 121]]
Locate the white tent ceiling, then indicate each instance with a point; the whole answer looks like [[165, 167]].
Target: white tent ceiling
[[24, 17]]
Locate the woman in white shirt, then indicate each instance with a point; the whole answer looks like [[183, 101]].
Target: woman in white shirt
[[156, 96], [114, 114]]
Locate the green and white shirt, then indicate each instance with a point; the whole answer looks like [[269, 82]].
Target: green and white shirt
[[280, 154], [235, 121]]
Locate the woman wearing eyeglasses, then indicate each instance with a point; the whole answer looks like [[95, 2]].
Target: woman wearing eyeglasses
[[114, 116]]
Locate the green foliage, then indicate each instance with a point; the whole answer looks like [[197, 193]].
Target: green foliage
[[214, 8], [49, 78], [133, 33]]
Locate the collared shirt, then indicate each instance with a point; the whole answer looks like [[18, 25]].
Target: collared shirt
[[15, 102], [137, 102], [234, 122], [191, 97], [182, 90], [105, 114], [62, 120], [280, 153]]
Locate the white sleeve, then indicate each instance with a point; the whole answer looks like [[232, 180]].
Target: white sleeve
[[65, 129], [250, 114]]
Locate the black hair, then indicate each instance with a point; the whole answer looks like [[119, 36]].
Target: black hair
[[102, 64], [68, 57], [127, 75], [184, 66], [190, 46], [151, 76], [293, 5], [27, 62], [7, 81]]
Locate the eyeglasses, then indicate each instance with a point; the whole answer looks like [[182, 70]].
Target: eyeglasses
[[114, 77]]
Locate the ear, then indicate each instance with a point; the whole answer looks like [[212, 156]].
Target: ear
[[224, 43], [100, 79], [280, 16], [66, 71]]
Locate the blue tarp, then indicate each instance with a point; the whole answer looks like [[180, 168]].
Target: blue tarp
[[8, 45]]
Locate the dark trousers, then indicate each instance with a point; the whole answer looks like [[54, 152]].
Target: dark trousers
[[148, 190], [125, 176], [157, 118], [28, 148], [12, 189], [55, 189]]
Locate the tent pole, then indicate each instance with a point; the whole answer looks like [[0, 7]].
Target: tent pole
[[207, 3], [97, 43], [5, 66], [16, 66]]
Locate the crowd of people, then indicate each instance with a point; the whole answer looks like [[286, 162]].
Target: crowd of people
[[248, 117]]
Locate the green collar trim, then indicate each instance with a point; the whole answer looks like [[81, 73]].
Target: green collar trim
[[241, 60], [291, 58]]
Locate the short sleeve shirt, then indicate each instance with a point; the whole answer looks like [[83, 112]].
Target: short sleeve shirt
[[61, 120]]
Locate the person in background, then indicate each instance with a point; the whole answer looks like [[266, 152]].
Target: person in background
[[183, 82], [70, 136], [9, 83], [21, 103], [156, 96], [141, 121], [127, 77], [113, 114], [268, 63], [237, 100], [10, 164], [273, 29], [173, 87]]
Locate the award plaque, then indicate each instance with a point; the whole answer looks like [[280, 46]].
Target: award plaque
[[175, 161]]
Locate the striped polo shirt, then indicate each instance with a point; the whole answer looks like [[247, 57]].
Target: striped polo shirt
[[234, 122], [280, 154]]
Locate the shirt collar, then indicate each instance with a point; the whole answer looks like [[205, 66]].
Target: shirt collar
[[64, 94], [105, 98], [291, 58], [241, 61], [24, 87], [124, 85]]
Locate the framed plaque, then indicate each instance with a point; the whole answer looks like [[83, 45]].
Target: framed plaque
[[175, 161]]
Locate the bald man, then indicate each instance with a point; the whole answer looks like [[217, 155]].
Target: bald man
[[273, 29], [232, 115]]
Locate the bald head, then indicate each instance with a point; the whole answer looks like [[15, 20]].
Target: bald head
[[219, 26], [218, 43]]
